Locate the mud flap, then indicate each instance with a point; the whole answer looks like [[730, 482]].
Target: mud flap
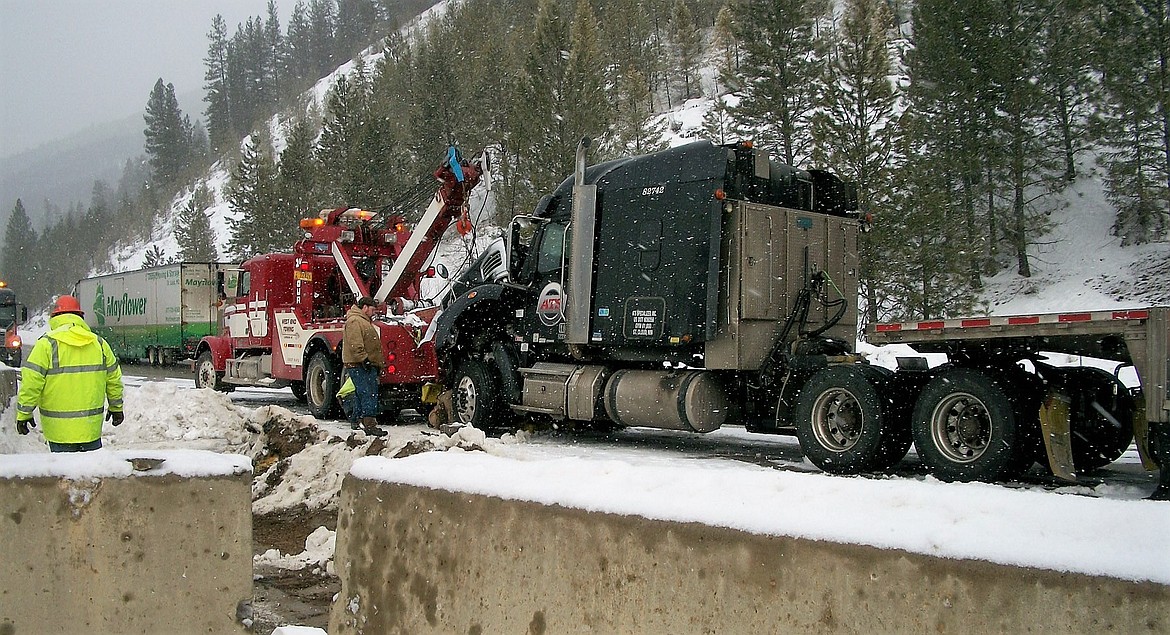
[[1159, 442], [431, 391], [1141, 436], [1054, 422]]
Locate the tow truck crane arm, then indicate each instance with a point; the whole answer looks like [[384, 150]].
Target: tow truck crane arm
[[456, 179]]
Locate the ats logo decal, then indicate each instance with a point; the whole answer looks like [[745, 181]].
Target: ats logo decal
[[549, 306]]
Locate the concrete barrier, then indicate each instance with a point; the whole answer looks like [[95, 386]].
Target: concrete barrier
[[90, 544], [419, 560]]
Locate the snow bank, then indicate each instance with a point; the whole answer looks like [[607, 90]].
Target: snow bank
[[318, 553], [951, 520]]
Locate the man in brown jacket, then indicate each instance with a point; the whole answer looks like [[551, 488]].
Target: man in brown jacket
[[364, 360]]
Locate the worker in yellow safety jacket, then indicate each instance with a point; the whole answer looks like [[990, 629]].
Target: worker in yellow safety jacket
[[70, 375]]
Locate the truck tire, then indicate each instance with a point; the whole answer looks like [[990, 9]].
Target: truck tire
[[842, 422], [322, 381], [966, 428], [1100, 417], [207, 377], [475, 395]]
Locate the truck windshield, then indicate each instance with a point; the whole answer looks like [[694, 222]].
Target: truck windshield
[[8, 308], [552, 247]]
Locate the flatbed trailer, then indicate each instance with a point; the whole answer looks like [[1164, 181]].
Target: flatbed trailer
[[1131, 337]]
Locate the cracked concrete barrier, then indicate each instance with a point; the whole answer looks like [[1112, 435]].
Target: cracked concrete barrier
[[116, 541], [419, 559]]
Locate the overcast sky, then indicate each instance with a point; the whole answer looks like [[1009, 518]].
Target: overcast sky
[[67, 65]]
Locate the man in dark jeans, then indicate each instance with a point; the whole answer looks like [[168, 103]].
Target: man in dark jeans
[[364, 360]]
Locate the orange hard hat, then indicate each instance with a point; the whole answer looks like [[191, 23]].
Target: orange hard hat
[[66, 304]]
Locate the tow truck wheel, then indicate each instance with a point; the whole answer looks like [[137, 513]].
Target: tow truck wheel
[[966, 429], [206, 376], [321, 385], [840, 420], [475, 395]]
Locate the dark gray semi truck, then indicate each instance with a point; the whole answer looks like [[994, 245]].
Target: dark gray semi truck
[[706, 284]]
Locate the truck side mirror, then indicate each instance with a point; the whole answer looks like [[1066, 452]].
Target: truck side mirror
[[520, 242], [23, 315]]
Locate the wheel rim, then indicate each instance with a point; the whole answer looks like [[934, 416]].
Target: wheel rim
[[206, 374], [315, 385], [466, 399], [961, 428], [837, 420]]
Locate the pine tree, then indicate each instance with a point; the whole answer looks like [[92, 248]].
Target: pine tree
[[193, 229], [635, 131], [688, 47], [1066, 58], [955, 114], [337, 149], [20, 267], [585, 80], [781, 74], [295, 183], [718, 124], [276, 50], [168, 135], [249, 73], [856, 132], [542, 148], [727, 45], [96, 226], [221, 135], [155, 256], [629, 38], [299, 69], [356, 22], [1136, 120], [321, 21], [251, 197]]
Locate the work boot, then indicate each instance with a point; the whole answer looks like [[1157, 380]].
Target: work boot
[[371, 426]]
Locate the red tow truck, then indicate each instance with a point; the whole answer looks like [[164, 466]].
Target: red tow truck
[[284, 313]]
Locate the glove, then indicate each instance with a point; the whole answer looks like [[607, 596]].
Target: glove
[[116, 417], [22, 425]]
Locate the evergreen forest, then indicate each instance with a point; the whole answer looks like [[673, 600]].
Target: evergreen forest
[[961, 122]]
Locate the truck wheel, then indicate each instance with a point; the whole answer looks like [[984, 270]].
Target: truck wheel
[[475, 395], [206, 375], [840, 419], [298, 391], [322, 381], [1100, 417], [966, 429]]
